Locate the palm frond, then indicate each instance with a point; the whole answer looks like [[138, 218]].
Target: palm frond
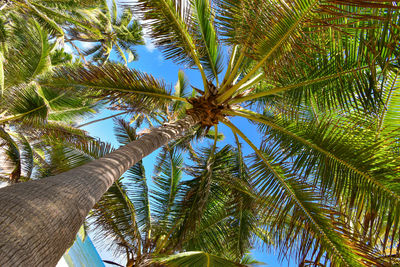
[[206, 40], [346, 164], [166, 187], [137, 90], [195, 259], [339, 83], [170, 24], [29, 55], [244, 206], [44, 20], [115, 215], [236, 16], [138, 192], [304, 32], [365, 158], [59, 56], [210, 165], [124, 132], [11, 165], [182, 85], [136, 183], [62, 155], [24, 103], [389, 117], [54, 131], [297, 199], [27, 157]]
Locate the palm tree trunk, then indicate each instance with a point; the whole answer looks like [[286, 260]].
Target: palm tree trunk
[[39, 219]]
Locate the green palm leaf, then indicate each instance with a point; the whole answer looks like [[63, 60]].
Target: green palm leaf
[[344, 165], [169, 21], [113, 82], [12, 164], [29, 55], [27, 157], [27, 105], [244, 206], [207, 41], [210, 165], [115, 215], [389, 118], [341, 83], [64, 156], [298, 201], [304, 30], [329, 142], [195, 259], [135, 182], [166, 186]]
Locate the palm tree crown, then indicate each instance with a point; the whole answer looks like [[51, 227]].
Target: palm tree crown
[[318, 79]]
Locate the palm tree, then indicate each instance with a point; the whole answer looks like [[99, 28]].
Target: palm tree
[[152, 226], [53, 15], [118, 33], [87, 21], [319, 80], [31, 114]]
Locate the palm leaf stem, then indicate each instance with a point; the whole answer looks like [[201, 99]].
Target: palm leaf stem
[[102, 119], [190, 45], [166, 238], [231, 77], [108, 53], [314, 107], [69, 19], [203, 37], [43, 46], [77, 50], [171, 195], [55, 112], [292, 86], [44, 17], [256, 117], [231, 62], [1, 73], [251, 82], [121, 90], [156, 119], [149, 121], [289, 190], [132, 212], [278, 44], [385, 107], [215, 139], [122, 54], [16, 117]]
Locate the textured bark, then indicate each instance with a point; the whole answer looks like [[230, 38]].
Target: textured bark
[[39, 219]]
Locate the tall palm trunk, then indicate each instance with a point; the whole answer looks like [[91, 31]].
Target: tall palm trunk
[[39, 219]]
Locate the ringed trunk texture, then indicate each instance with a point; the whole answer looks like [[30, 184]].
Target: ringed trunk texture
[[40, 219]]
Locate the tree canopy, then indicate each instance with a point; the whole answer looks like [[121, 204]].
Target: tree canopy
[[317, 79]]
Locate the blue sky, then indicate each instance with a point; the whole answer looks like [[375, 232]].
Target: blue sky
[[152, 62]]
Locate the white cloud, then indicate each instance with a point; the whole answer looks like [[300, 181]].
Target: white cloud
[[68, 48], [149, 44], [87, 45]]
